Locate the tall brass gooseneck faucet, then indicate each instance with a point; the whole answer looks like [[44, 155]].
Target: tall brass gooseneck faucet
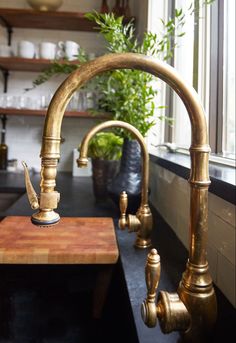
[[142, 221], [195, 297]]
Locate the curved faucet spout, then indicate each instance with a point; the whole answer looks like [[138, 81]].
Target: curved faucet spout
[[142, 222], [117, 123]]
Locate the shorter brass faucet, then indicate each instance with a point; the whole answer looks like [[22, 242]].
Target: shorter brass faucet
[[141, 223]]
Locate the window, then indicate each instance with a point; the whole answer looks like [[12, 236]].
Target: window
[[205, 57]]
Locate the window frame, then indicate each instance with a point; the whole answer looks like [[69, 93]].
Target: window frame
[[216, 78], [215, 84]]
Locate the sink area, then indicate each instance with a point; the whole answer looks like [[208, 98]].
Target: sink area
[[55, 305], [48, 303], [6, 201]]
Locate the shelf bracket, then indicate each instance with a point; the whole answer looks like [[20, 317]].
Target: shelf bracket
[[5, 74], [8, 28]]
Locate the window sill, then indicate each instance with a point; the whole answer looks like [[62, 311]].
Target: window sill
[[222, 177]]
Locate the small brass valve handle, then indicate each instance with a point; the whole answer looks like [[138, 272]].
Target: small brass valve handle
[[32, 196], [123, 209], [133, 223], [152, 276]]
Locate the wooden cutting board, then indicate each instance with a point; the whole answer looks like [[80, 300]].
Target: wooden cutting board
[[72, 241]]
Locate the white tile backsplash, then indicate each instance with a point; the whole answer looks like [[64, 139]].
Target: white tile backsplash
[[226, 272], [222, 235], [223, 209], [170, 194]]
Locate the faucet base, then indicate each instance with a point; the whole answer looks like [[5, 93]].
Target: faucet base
[[142, 243], [197, 293], [45, 218]]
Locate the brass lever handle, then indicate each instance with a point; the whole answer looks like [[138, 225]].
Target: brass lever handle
[[32, 196], [123, 209], [152, 276], [170, 310]]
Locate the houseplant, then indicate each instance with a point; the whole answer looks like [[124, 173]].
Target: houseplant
[[129, 96], [105, 152]]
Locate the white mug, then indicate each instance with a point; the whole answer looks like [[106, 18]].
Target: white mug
[[26, 49], [47, 50], [70, 49]]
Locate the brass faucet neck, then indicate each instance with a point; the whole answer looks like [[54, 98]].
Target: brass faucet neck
[[136, 134]]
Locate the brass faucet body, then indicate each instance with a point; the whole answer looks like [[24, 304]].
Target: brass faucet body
[[142, 221], [195, 290]]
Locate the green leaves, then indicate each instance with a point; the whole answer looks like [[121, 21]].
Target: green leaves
[[126, 94], [58, 68], [105, 145]]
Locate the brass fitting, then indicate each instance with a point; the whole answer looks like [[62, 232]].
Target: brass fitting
[[123, 208], [141, 223], [46, 203], [170, 310]]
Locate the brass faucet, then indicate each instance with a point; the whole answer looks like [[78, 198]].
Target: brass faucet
[[142, 221], [195, 291]]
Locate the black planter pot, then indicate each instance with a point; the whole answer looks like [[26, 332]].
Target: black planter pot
[[103, 173], [129, 177]]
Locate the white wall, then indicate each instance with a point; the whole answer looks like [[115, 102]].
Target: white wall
[[170, 195], [24, 133]]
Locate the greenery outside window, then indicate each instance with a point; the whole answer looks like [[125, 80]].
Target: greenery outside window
[[205, 57]]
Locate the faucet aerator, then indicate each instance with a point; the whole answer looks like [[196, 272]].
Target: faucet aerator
[[44, 223]]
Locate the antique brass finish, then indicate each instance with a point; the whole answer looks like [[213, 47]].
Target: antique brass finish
[[142, 221], [32, 196], [152, 276], [46, 203], [195, 289], [170, 310], [123, 209]]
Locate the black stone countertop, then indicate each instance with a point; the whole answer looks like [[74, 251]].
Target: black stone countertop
[[77, 200]]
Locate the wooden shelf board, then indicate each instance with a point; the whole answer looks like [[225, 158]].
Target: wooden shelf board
[[29, 112], [53, 20], [28, 64]]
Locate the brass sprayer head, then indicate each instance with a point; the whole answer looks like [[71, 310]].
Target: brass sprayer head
[[46, 203]]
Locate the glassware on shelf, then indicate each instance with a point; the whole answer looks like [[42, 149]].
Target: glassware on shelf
[[6, 101], [82, 101]]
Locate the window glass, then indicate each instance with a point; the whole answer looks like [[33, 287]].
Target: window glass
[[157, 10], [183, 62], [229, 80]]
